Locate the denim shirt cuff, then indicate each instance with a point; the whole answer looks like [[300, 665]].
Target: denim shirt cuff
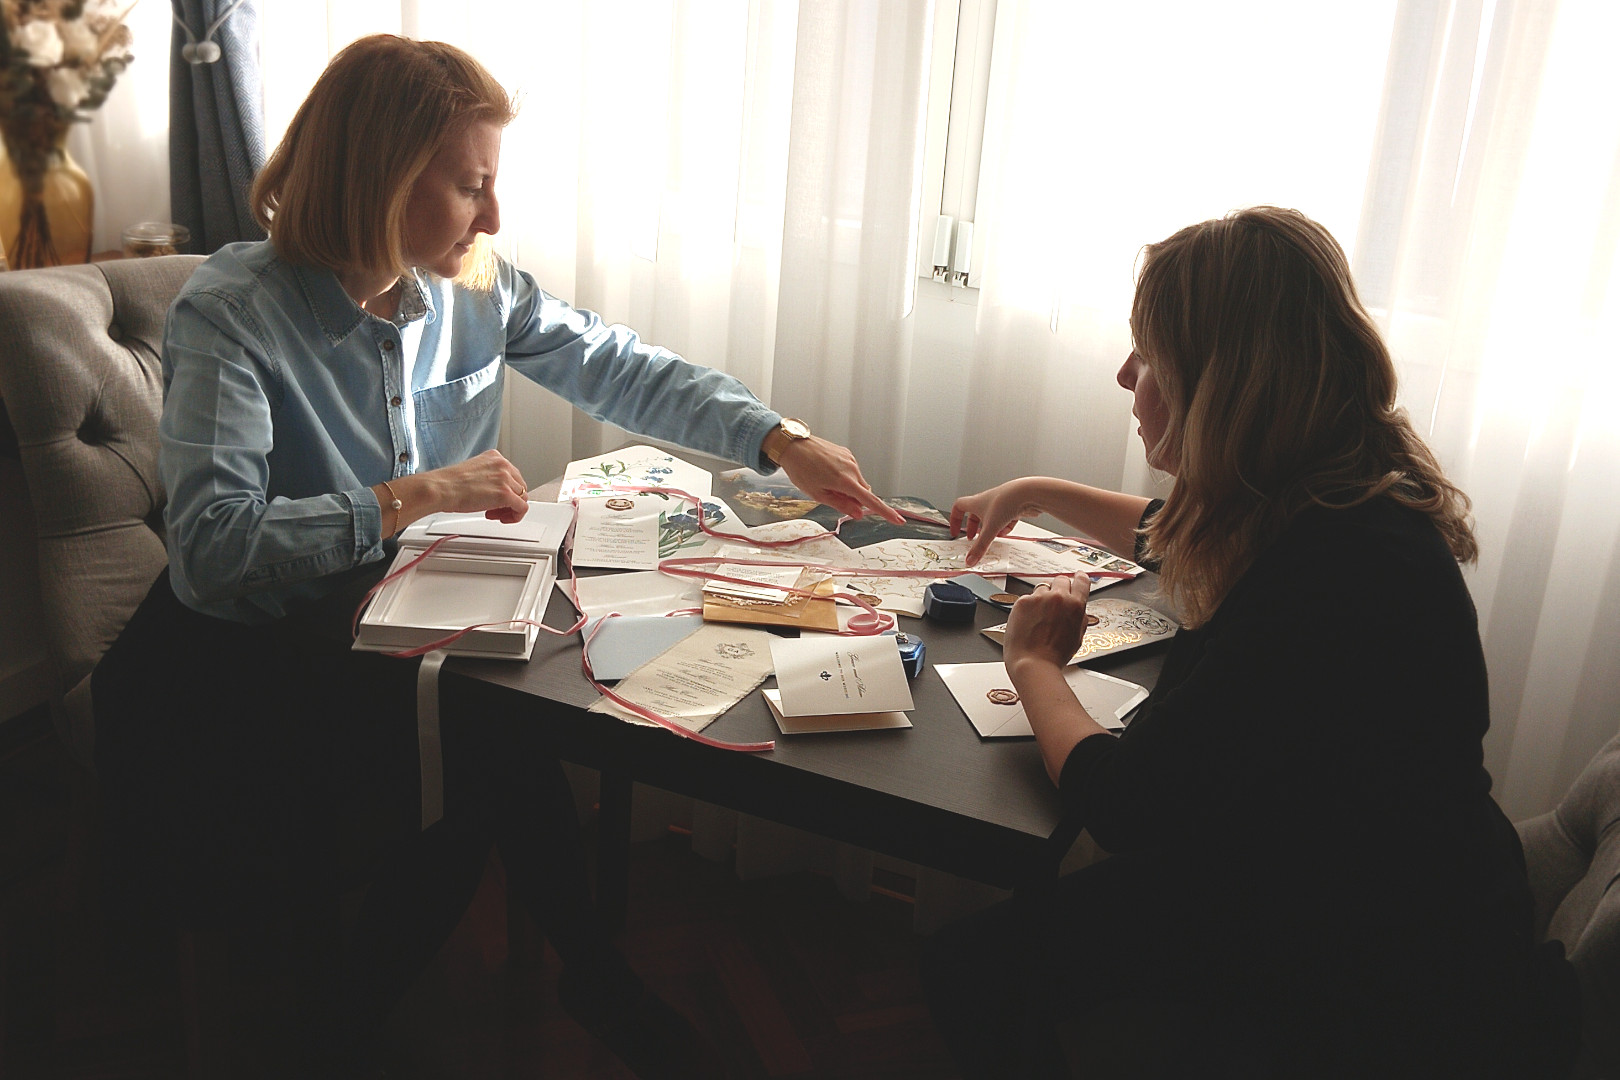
[[368, 536], [756, 424]]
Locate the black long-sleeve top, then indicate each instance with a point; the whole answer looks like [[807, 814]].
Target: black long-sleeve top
[[1309, 770]]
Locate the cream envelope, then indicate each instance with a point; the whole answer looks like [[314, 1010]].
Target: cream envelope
[[806, 725], [985, 693], [824, 675]]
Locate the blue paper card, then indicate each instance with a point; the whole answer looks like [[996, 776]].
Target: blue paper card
[[628, 641]]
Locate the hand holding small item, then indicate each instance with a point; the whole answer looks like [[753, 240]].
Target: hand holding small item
[[1046, 626], [486, 483]]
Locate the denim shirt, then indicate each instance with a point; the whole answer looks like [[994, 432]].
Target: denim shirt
[[284, 402]]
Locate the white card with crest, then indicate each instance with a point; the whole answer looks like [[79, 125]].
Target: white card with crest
[[826, 675]]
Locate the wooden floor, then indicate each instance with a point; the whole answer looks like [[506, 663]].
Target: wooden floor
[[786, 977]]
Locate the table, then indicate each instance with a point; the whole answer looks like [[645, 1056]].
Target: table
[[935, 794]]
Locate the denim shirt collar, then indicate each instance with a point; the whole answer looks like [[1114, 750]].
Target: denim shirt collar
[[336, 312]]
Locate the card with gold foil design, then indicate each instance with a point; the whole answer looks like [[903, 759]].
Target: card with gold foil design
[[1121, 625]]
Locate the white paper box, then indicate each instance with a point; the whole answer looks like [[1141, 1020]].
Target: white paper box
[[492, 573]]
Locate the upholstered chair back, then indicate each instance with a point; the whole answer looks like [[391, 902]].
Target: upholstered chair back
[[81, 390], [1573, 855]]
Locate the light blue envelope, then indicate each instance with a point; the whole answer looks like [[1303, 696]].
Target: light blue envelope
[[629, 641]]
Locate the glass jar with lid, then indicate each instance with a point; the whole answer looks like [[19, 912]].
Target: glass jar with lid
[[154, 238]]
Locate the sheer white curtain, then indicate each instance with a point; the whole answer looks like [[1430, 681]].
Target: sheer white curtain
[[648, 178], [1458, 150]]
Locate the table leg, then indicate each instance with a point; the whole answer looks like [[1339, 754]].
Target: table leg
[[613, 847]]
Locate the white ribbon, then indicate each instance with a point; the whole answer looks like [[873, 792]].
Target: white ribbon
[[429, 750]]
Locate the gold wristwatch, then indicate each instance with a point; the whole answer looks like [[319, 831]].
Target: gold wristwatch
[[791, 430]]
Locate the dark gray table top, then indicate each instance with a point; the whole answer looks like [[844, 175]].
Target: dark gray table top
[[936, 793]]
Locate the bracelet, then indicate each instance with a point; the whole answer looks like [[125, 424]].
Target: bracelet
[[395, 505]]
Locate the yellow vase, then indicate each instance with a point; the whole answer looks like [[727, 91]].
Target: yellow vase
[[52, 225]]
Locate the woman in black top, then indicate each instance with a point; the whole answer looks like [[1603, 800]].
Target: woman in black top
[[1307, 866]]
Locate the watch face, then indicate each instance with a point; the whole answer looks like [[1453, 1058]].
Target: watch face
[[794, 428]]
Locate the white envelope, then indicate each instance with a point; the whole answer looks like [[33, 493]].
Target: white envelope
[[825, 675], [985, 693], [807, 725], [645, 593], [634, 466], [545, 526]]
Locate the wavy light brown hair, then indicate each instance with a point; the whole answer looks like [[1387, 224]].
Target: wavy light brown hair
[[334, 192], [1280, 393]]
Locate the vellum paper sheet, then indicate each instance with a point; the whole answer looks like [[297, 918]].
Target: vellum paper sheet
[[698, 679]]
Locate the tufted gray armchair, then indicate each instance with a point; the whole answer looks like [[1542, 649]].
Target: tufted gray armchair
[[80, 395], [1573, 855]]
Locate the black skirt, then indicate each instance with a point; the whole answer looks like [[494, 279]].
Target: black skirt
[[224, 751]]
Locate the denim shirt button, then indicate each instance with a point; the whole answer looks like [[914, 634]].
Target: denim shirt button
[[388, 346], [404, 457], [395, 401]]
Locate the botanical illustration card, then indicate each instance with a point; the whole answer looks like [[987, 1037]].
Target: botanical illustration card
[[680, 533], [634, 466]]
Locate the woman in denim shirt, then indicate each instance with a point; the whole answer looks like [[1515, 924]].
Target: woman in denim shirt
[[323, 390]]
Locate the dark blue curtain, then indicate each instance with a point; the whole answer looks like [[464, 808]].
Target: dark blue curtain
[[216, 122]]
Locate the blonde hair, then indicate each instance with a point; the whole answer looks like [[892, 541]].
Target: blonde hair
[[1280, 394], [334, 192]]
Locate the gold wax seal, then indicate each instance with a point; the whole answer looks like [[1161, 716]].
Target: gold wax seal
[[621, 504], [1003, 697], [1003, 598]]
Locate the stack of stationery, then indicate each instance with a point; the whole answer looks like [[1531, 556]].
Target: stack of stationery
[[768, 601]]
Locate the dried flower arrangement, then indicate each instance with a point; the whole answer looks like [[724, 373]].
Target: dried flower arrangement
[[58, 61]]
